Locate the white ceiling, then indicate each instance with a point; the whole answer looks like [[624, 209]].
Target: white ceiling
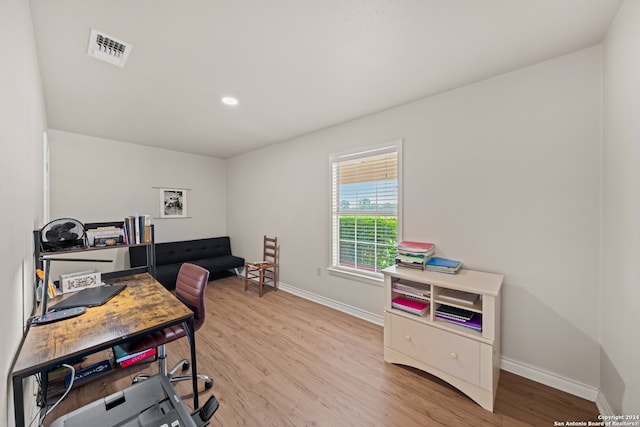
[[295, 65]]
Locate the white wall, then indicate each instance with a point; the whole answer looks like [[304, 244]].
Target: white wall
[[502, 174], [620, 294], [94, 180], [22, 122]]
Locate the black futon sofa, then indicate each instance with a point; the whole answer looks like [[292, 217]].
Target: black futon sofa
[[213, 253]]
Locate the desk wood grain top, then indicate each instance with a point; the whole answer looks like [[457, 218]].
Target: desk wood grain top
[[144, 305]]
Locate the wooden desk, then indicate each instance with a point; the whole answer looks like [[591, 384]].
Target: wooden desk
[[142, 307]]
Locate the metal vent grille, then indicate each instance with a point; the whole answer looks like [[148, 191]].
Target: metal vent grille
[[109, 49]]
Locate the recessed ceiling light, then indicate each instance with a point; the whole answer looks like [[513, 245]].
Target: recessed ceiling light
[[229, 100]]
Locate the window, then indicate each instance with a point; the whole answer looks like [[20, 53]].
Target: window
[[365, 208]]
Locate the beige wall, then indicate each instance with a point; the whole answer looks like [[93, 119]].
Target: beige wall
[[22, 122], [94, 180], [620, 293], [503, 174]]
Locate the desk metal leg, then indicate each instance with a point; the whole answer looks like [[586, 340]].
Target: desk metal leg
[[18, 401], [191, 329]]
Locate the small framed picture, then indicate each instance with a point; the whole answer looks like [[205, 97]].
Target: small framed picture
[[78, 281], [173, 203]]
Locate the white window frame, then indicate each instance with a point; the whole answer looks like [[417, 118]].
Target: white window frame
[[359, 153]]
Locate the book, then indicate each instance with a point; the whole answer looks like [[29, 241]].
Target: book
[[427, 253], [408, 289], [129, 233], [417, 266], [136, 228], [443, 265], [443, 262], [410, 305], [417, 247], [138, 357], [147, 229], [475, 322], [458, 297], [147, 234], [454, 312], [124, 359], [420, 259]]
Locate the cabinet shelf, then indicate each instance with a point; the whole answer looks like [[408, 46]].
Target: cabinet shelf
[[91, 248], [463, 356], [150, 267]]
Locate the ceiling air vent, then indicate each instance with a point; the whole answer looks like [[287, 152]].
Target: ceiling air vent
[[109, 49]]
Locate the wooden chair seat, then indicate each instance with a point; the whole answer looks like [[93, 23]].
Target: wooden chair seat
[[261, 264]]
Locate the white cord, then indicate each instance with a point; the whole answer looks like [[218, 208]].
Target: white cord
[[73, 377]]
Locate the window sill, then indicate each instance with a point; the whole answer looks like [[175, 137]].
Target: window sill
[[369, 280]]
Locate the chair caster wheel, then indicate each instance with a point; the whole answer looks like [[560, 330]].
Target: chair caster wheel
[[208, 384], [185, 366]]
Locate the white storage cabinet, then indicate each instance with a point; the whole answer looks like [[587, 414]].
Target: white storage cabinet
[[465, 358]]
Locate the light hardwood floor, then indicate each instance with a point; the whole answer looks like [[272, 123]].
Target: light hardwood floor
[[281, 360]]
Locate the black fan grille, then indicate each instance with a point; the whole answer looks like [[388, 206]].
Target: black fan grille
[[62, 233]]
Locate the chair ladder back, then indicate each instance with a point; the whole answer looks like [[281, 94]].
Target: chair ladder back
[[270, 252]]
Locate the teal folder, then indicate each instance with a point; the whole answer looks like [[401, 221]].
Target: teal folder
[[443, 262]]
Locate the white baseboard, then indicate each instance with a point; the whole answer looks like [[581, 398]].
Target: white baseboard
[[552, 380], [337, 305], [603, 406], [532, 373]]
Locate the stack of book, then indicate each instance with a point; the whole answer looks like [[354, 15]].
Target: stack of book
[[460, 317], [137, 229], [414, 254], [458, 297], [105, 236], [124, 359], [412, 289], [443, 265], [419, 308]]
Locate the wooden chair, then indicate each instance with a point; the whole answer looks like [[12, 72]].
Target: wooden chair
[[265, 271]]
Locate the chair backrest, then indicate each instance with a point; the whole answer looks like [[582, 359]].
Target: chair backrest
[[270, 251], [190, 287]]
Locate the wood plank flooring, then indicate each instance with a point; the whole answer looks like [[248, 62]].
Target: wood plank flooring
[[281, 360]]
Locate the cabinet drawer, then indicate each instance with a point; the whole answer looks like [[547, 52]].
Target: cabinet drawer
[[448, 352]]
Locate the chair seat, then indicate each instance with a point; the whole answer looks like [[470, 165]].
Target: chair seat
[[260, 265], [155, 339]]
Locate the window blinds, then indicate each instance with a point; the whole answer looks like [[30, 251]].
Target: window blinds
[[365, 195]]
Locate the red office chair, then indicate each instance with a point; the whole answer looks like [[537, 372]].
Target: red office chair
[[190, 287]]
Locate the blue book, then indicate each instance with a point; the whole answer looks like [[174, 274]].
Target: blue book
[[443, 263], [474, 323]]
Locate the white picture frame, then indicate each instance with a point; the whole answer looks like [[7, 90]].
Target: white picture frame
[[173, 203]]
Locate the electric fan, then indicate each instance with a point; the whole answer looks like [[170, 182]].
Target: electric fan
[[63, 233]]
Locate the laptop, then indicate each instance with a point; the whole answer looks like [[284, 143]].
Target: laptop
[[89, 297]]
